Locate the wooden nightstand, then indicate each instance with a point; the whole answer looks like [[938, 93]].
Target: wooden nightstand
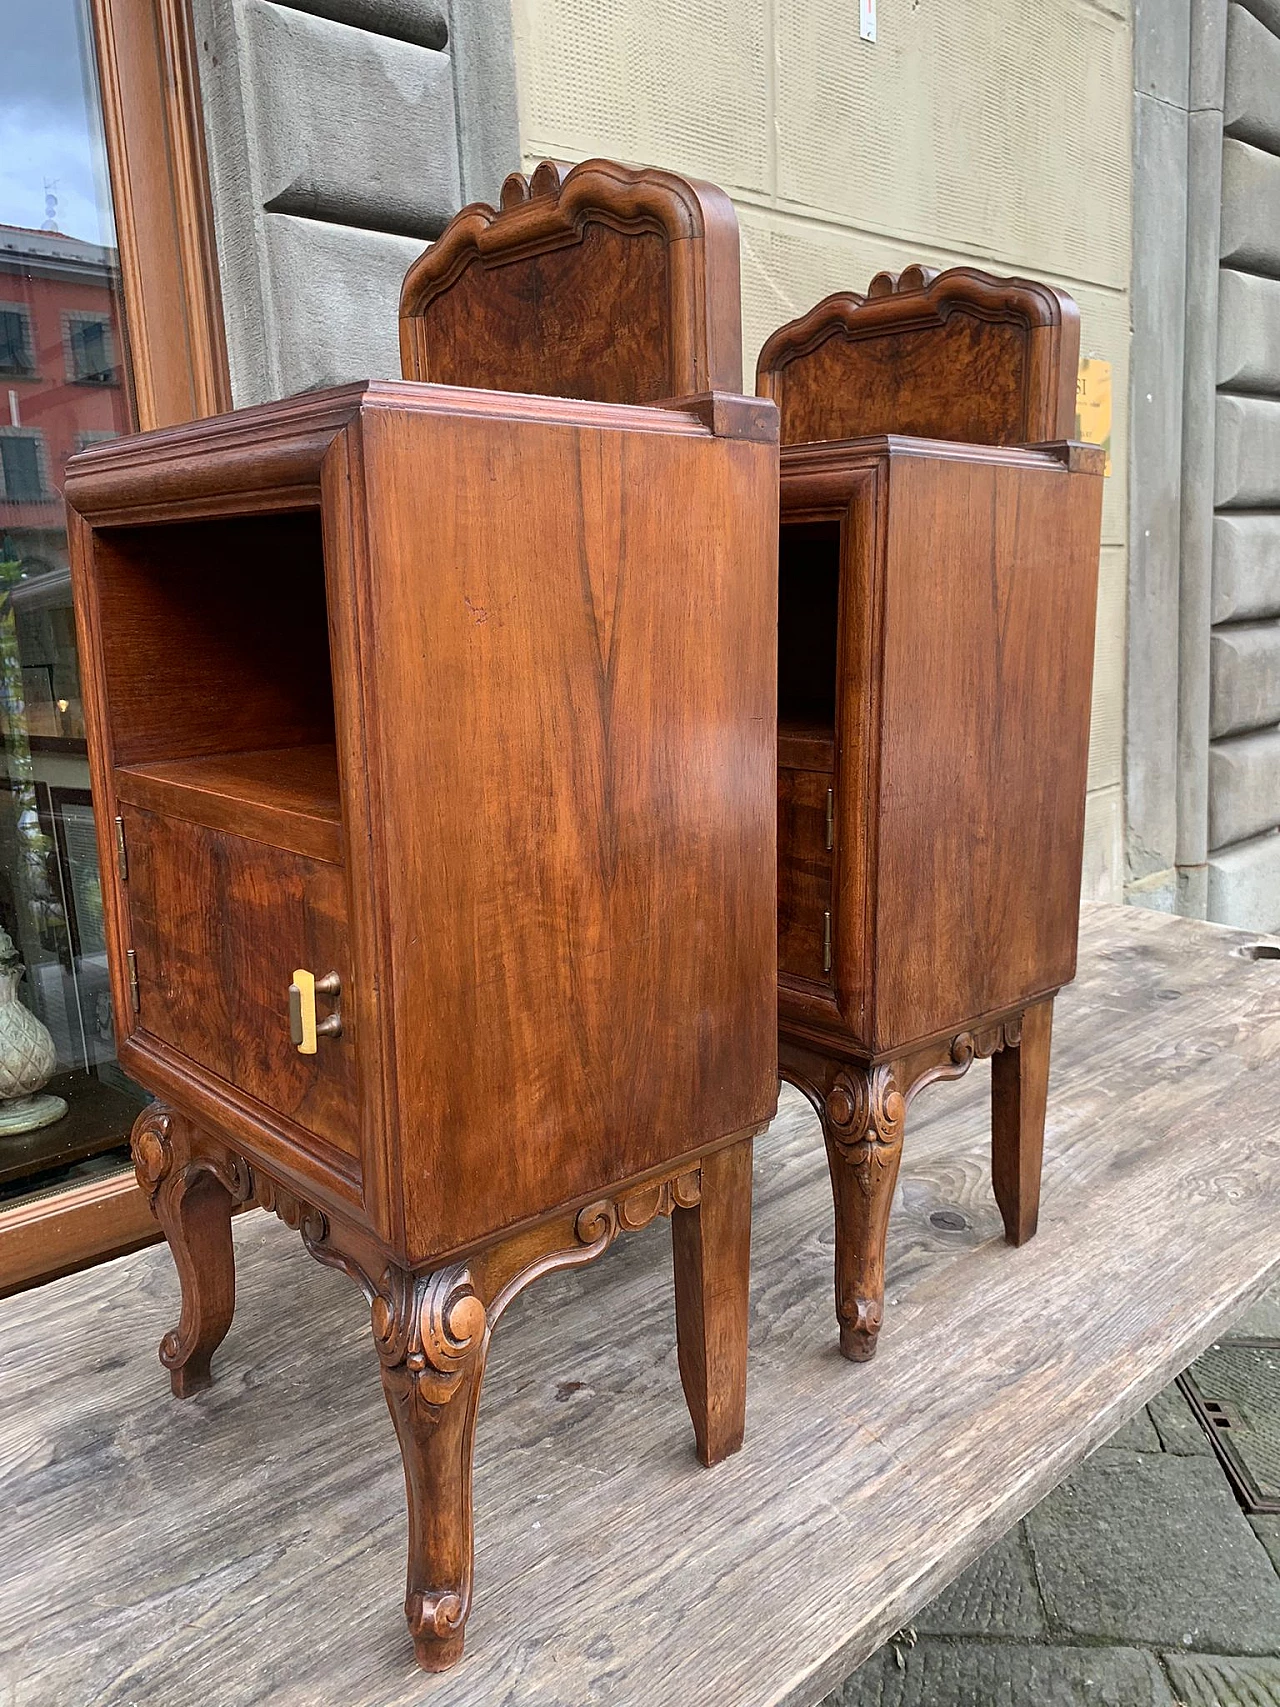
[[936, 619], [439, 863]]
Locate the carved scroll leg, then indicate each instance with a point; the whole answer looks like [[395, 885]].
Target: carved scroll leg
[[863, 1123], [432, 1336], [192, 1196], [197, 1223], [711, 1245], [1019, 1092]]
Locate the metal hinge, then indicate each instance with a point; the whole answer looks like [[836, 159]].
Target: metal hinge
[[831, 819], [826, 942], [122, 852], [131, 960]]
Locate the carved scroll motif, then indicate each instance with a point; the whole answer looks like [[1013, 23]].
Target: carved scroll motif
[[432, 1333], [164, 1161], [865, 1115], [151, 1143], [295, 1213], [601, 1222], [430, 1327], [966, 1048]]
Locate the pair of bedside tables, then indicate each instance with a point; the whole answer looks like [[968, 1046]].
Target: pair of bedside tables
[[465, 889]]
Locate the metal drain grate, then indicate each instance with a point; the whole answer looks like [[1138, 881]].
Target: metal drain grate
[[1234, 1389]]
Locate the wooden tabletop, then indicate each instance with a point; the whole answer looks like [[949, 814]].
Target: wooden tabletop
[[248, 1546]]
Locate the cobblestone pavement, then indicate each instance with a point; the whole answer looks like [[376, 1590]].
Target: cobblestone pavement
[[1138, 1583]]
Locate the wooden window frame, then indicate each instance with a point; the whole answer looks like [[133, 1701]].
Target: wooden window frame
[[176, 363]]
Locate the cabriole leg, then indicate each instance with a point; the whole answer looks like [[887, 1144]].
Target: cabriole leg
[[432, 1333], [432, 1336], [1019, 1093], [863, 1118], [193, 1189], [711, 1246]]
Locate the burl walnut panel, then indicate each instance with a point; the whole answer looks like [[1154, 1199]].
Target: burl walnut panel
[[598, 282], [219, 923], [954, 355]]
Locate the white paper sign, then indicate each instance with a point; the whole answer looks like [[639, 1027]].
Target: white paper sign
[[867, 19]]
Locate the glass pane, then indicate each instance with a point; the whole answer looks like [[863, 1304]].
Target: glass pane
[[61, 388]]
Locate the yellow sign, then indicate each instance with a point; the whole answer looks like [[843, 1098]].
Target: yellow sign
[[1093, 405]]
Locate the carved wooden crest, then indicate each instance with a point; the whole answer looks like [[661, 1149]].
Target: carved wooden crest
[[954, 355], [598, 282]]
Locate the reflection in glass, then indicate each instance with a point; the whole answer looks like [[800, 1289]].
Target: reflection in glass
[[62, 387]]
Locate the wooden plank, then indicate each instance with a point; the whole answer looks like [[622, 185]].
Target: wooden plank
[[248, 1546]]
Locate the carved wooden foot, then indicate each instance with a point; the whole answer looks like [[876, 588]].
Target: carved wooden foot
[[864, 1113], [1019, 1092], [193, 1186], [711, 1245]]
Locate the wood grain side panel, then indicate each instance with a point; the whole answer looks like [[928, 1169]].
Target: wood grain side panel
[[219, 924], [987, 662], [576, 713]]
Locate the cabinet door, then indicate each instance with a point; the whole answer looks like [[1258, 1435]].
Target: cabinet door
[[805, 814], [219, 924]]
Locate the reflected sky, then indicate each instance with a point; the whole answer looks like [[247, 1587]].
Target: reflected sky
[[49, 128]]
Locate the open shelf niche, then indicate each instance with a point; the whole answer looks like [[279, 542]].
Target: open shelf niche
[[216, 647], [808, 635]]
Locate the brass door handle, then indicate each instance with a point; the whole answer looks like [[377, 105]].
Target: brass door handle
[[304, 1028]]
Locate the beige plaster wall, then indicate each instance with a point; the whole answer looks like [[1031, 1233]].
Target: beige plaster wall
[[996, 134]]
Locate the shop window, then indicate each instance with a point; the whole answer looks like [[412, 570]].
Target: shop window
[[59, 286]]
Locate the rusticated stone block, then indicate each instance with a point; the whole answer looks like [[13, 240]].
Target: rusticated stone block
[[1246, 567], [342, 286], [1247, 465], [1251, 100], [1244, 678], [1244, 786], [352, 127], [1244, 884], [1248, 332], [1250, 233]]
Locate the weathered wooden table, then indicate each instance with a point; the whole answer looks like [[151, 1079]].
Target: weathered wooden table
[[238, 1548]]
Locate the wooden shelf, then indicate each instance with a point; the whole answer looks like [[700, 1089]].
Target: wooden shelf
[[860, 1491], [286, 796], [804, 746]]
